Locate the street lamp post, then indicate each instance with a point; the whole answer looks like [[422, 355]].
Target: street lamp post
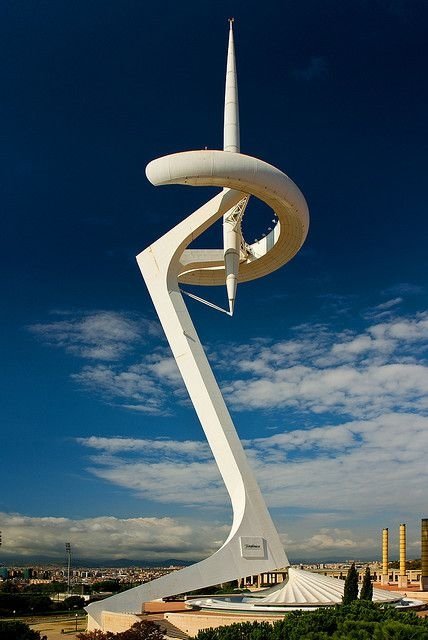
[[76, 621], [68, 552]]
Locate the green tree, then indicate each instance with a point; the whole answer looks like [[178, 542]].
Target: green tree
[[97, 634], [143, 630], [366, 592], [74, 602], [395, 630], [38, 604], [239, 631], [350, 592], [106, 585], [23, 603], [300, 624], [50, 587], [227, 587], [17, 631]]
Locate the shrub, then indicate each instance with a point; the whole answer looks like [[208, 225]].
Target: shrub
[[17, 631]]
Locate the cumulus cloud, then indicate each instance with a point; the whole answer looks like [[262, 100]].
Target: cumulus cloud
[[366, 387], [149, 447], [96, 335], [165, 471], [404, 330], [170, 482], [139, 539], [331, 541], [362, 467], [342, 390], [380, 369], [109, 537], [358, 466], [316, 369], [146, 386]]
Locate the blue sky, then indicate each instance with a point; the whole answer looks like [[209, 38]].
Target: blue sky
[[100, 445]]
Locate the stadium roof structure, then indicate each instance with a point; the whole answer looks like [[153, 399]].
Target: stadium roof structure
[[301, 590]]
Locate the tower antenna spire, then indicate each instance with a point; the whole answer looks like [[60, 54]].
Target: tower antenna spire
[[232, 220], [231, 104]]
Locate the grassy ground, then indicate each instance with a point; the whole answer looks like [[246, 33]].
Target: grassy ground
[[51, 626]]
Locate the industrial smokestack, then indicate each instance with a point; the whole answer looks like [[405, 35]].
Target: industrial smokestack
[[424, 554], [385, 570], [402, 578]]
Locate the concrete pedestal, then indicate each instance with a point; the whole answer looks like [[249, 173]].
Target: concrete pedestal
[[384, 578], [403, 582]]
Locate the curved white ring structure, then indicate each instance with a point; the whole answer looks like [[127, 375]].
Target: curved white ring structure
[[250, 176], [253, 545]]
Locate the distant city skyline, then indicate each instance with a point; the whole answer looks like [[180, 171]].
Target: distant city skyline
[[99, 444]]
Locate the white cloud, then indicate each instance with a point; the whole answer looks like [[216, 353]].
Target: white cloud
[[333, 541], [342, 390], [402, 329], [316, 369], [359, 466], [165, 471], [109, 537], [171, 482], [371, 465], [144, 387], [132, 384], [369, 389], [384, 310], [157, 447], [139, 539], [321, 371], [97, 335], [327, 438], [389, 303]]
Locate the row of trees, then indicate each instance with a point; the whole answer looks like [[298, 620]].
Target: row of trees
[[360, 620], [39, 598], [54, 587], [22, 603]]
